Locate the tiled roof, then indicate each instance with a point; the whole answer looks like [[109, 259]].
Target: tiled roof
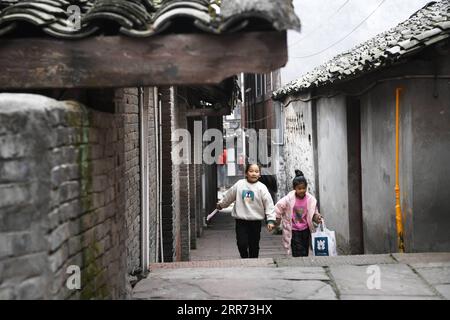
[[427, 26], [143, 18]]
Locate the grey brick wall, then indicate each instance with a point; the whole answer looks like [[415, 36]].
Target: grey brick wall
[[176, 187], [192, 208], [175, 182], [23, 200], [127, 109], [195, 202], [192, 190], [167, 173], [69, 195], [183, 187], [195, 191], [152, 166], [199, 211]]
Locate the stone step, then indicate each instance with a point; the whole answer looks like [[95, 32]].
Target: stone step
[[311, 261], [229, 263]]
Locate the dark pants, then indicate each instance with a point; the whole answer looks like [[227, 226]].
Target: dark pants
[[300, 243], [248, 234]]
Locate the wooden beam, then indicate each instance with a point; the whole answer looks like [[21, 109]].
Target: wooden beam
[[119, 61], [208, 112]]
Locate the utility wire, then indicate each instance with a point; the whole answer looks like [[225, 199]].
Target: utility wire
[[342, 39], [317, 27]]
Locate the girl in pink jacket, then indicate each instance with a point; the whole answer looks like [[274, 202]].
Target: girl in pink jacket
[[296, 212]]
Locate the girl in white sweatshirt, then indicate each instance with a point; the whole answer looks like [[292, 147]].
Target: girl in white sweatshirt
[[253, 203]]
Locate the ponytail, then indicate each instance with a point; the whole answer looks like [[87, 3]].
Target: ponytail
[[299, 179]]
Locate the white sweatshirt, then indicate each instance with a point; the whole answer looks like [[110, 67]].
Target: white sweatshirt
[[253, 201]]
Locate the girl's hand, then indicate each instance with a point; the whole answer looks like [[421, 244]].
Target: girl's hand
[[270, 227], [318, 218]]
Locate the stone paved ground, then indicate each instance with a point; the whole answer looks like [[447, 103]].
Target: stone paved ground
[[296, 278], [216, 272]]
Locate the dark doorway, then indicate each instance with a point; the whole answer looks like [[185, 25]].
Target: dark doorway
[[354, 176]]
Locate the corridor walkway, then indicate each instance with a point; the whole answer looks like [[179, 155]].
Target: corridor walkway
[[219, 240]]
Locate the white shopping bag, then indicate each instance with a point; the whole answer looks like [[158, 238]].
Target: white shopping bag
[[323, 241]]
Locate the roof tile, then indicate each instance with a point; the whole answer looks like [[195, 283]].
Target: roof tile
[[143, 18], [427, 26]]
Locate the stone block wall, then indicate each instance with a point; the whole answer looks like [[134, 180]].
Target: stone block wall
[[70, 196], [149, 101], [127, 107], [181, 181], [168, 220]]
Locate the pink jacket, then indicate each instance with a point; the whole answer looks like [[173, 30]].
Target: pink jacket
[[283, 210]]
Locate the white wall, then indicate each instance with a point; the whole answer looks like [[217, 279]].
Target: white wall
[[298, 148]]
